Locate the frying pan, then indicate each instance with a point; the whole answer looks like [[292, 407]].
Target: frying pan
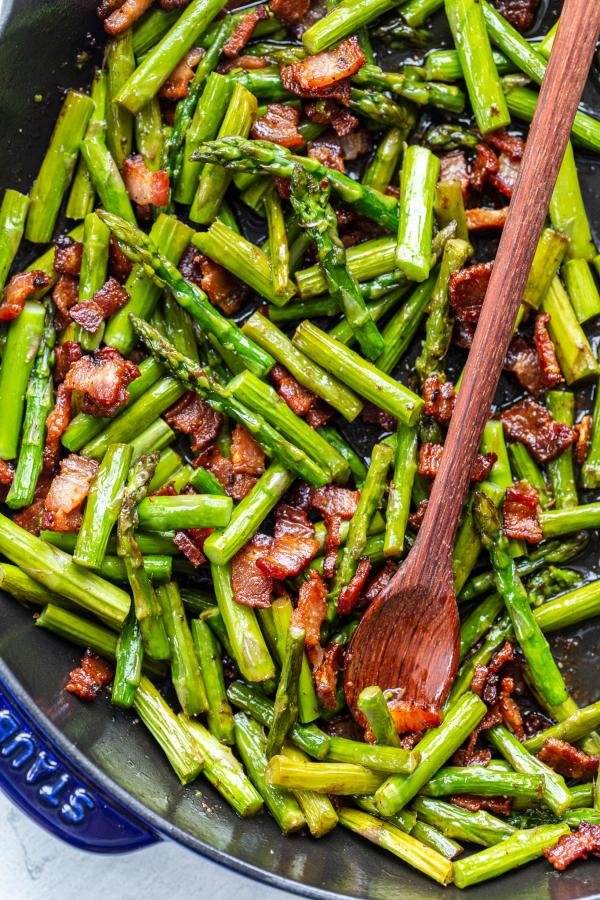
[[91, 774]]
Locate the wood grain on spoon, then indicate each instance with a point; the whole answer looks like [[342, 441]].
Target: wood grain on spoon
[[408, 638]]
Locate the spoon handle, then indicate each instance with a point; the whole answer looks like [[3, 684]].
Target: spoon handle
[[559, 96]]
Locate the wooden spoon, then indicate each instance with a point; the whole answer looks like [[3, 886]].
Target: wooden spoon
[[408, 639]]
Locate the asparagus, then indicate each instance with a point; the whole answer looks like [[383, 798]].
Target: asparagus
[[158, 568], [323, 778], [402, 327], [454, 822], [590, 471], [381, 169], [156, 437], [215, 622], [574, 728], [13, 213], [251, 744], [405, 846], [278, 241], [360, 375], [339, 443], [561, 470], [522, 847], [276, 623], [129, 655], [182, 751], [435, 748], [567, 209], [318, 810], [179, 328], [416, 12], [223, 770], [312, 208], [57, 167], [420, 172], [149, 134], [573, 350], [581, 289], [449, 208], [372, 704], [147, 609], [18, 358], [150, 544], [158, 64], [570, 608], [24, 589], [485, 783], [82, 193], [444, 96], [185, 668], [38, 403], [148, 30], [365, 261], [179, 513], [102, 506], [468, 26], [344, 19], [107, 179], [467, 546], [219, 714], [94, 264], [120, 65], [527, 469], [444, 65], [285, 710]]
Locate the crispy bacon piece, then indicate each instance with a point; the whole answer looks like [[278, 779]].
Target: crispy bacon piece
[[289, 11], [511, 144], [279, 125], [223, 289], [237, 486], [87, 679], [472, 757], [30, 517], [327, 153], [65, 355], [319, 414], [244, 30], [484, 165], [106, 7], [373, 415], [519, 13], [381, 580], [523, 362], [520, 511], [496, 692], [251, 587], [177, 84], [430, 456], [67, 493], [483, 674], [293, 546], [415, 520], [247, 457], [191, 544], [549, 367], [568, 760], [505, 178], [335, 504], [193, 416], [65, 294], [498, 806], [315, 73], [328, 112], [298, 398], [311, 611], [439, 399], [531, 424], [169, 5], [118, 264], [485, 219], [124, 17], [20, 288], [577, 845], [92, 313], [325, 675], [102, 378], [7, 472], [453, 167], [584, 437], [242, 62], [467, 289], [144, 186], [57, 422], [410, 715], [67, 256], [350, 593]]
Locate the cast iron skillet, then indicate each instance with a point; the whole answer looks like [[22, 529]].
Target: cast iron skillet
[[92, 774]]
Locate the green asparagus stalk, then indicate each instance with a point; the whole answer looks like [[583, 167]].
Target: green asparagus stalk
[[454, 822], [285, 710], [377, 757], [24, 589], [82, 193], [185, 668], [590, 471], [150, 544], [281, 618], [156, 437], [19, 355], [405, 820], [158, 569], [581, 289], [575, 357], [107, 179], [373, 706], [94, 265], [431, 837], [485, 783], [120, 65], [420, 172], [128, 671], [278, 242], [13, 213], [365, 261], [343, 20], [549, 254], [318, 810], [219, 714], [574, 728], [185, 511], [102, 506], [380, 172], [148, 30], [403, 325], [323, 778], [179, 328], [561, 470], [567, 210], [444, 96], [527, 469], [449, 207], [416, 12], [149, 134], [400, 489], [444, 65], [339, 443]]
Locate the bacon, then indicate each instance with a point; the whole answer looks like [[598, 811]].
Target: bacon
[[169, 5], [467, 288], [242, 62], [7, 472], [67, 256], [30, 517], [350, 593], [106, 7], [279, 125], [223, 289], [236, 486], [328, 112], [243, 31], [319, 414], [572, 847], [328, 154], [311, 611], [124, 17], [289, 11], [144, 186], [20, 288], [381, 580], [499, 806], [505, 178], [584, 437], [119, 265], [177, 84], [482, 674], [519, 13], [335, 501], [107, 300], [65, 295], [373, 415], [531, 424], [102, 378], [568, 760], [484, 165], [87, 679], [484, 219], [251, 587], [57, 422], [415, 519], [298, 398], [325, 675], [65, 355], [496, 693], [520, 511], [453, 167], [193, 416], [549, 367], [191, 544], [247, 457], [410, 715], [67, 493], [319, 72], [511, 144], [523, 362], [439, 399], [471, 757], [293, 546], [430, 457]]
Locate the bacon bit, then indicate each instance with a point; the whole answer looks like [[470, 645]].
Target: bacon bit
[[279, 125], [242, 485], [467, 288], [124, 17], [242, 62], [453, 167], [328, 112], [485, 674], [247, 457], [466, 757], [20, 288], [236, 486], [67, 493], [335, 501], [496, 693], [568, 760], [251, 587], [550, 369], [430, 457], [57, 423], [144, 186], [484, 165], [92, 313], [325, 675], [439, 399], [484, 219], [298, 398], [584, 437], [119, 265], [311, 611], [325, 69], [244, 30], [283, 187], [191, 544], [511, 144], [505, 179], [577, 845], [350, 594], [65, 295], [30, 517], [64, 356], [509, 710], [373, 415], [498, 806], [519, 13], [293, 546], [531, 424], [106, 7], [523, 362], [381, 580], [169, 5], [289, 11], [67, 256], [410, 715], [193, 416], [87, 679], [319, 414], [223, 289], [520, 511], [102, 378], [177, 84], [7, 472], [415, 519], [328, 154]]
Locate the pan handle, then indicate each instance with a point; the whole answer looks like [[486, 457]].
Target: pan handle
[[52, 791]]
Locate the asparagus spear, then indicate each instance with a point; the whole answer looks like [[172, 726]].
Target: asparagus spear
[[120, 65], [94, 264], [444, 65], [374, 708], [285, 710], [575, 357], [339, 443], [150, 135], [365, 261], [431, 837], [219, 714], [324, 778], [19, 355], [107, 179], [156, 437], [185, 669], [178, 513], [344, 19], [82, 193], [570, 608], [129, 656], [403, 325], [420, 172], [567, 209], [158, 569], [449, 207], [13, 213], [381, 169], [485, 783], [278, 241], [574, 728], [148, 30], [405, 820], [179, 328], [581, 288], [561, 470], [318, 810], [276, 623], [416, 12], [590, 471], [527, 469], [454, 822], [24, 589]]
